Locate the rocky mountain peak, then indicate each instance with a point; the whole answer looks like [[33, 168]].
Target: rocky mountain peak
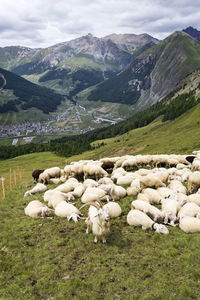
[[192, 32]]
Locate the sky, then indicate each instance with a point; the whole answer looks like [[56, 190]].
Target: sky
[[42, 23]]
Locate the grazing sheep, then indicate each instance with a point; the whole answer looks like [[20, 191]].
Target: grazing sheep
[[105, 180], [151, 180], [152, 211], [132, 191], [67, 210], [36, 209], [138, 218], [190, 158], [36, 174], [190, 224], [117, 192], [153, 196], [38, 188], [98, 221], [94, 170], [113, 208], [54, 172]]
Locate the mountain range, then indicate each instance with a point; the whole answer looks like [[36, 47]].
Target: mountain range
[[137, 70]]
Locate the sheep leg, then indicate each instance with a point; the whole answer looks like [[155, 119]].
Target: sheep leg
[[95, 240], [103, 240]]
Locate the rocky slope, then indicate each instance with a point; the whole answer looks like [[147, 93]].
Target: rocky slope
[[153, 74], [72, 66]]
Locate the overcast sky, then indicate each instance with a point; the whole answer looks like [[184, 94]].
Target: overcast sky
[[41, 23]]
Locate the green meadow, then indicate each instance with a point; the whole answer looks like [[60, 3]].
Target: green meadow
[[51, 258]]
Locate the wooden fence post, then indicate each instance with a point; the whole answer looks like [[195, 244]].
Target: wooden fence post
[[3, 187], [15, 180], [10, 179]]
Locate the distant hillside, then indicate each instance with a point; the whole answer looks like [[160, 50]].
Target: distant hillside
[[153, 74], [18, 94], [73, 66]]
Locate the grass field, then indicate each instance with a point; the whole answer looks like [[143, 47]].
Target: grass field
[[55, 259]]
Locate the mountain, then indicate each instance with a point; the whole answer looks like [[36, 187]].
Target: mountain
[[72, 66], [192, 32], [18, 94], [153, 74], [131, 42]]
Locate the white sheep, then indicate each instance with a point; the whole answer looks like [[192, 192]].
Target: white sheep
[[153, 196], [190, 224], [68, 186], [36, 209], [67, 210], [38, 188], [117, 192], [151, 180], [177, 186], [79, 190], [152, 211], [54, 172], [114, 209], [170, 208], [98, 221], [94, 170], [138, 218], [93, 194], [195, 198], [189, 209], [194, 182], [53, 197], [105, 180], [90, 183]]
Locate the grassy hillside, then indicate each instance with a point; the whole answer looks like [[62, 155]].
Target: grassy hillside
[[52, 258]]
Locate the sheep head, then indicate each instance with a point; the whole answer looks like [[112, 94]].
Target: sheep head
[[159, 228]]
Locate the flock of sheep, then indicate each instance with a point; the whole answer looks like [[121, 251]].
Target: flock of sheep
[[166, 188]]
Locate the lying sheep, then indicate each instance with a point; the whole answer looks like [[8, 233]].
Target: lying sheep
[[38, 188], [170, 208], [195, 198], [93, 194], [177, 186], [36, 209], [67, 210], [68, 186], [138, 218], [189, 210], [152, 211], [114, 209], [194, 182], [79, 190], [190, 224], [54, 197]]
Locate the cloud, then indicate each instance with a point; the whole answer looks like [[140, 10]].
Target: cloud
[[41, 23]]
